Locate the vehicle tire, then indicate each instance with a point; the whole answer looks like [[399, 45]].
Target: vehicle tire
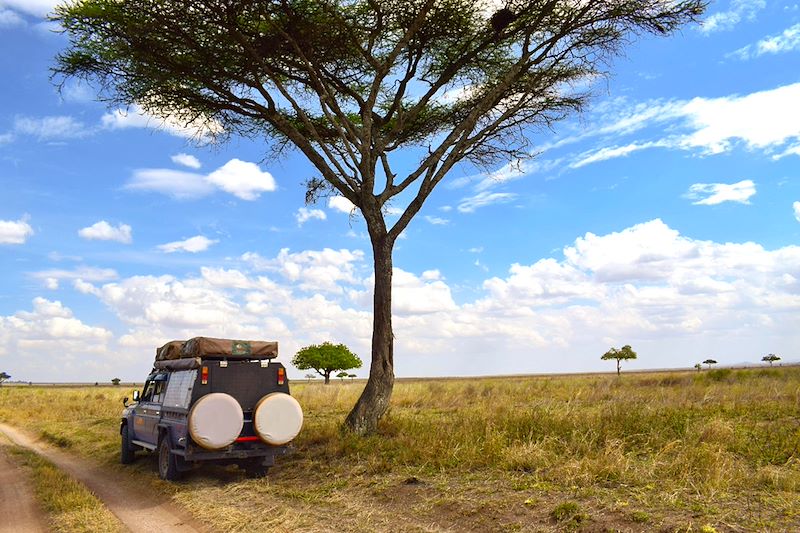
[[127, 453], [255, 468], [167, 461]]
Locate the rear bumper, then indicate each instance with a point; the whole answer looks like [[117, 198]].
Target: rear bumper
[[193, 454]]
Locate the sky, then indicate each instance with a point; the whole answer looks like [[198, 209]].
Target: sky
[[666, 216]]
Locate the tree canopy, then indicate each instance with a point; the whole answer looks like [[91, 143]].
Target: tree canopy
[[709, 362], [326, 358], [351, 83], [626, 352], [4, 377], [770, 358]]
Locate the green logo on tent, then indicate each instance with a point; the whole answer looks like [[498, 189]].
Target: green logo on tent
[[241, 348]]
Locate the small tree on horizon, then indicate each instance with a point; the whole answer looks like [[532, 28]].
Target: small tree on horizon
[[698, 366], [4, 377], [342, 375], [709, 362], [309, 377], [326, 358], [352, 376], [770, 358], [626, 352], [116, 381]]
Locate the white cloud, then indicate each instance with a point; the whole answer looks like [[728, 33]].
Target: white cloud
[[176, 183], [242, 179], [726, 20], [186, 160], [103, 231], [604, 153], [796, 208], [470, 204], [15, 231], [313, 270], [198, 243], [436, 221], [86, 273], [37, 8], [51, 128], [9, 18], [717, 193], [304, 214], [787, 41], [239, 178], [137, 117], [340, 203]]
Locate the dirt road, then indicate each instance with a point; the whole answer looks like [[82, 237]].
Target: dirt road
[[17, 504], [137, 511]]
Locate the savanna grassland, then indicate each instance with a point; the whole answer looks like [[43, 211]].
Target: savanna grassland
[[696, 451]]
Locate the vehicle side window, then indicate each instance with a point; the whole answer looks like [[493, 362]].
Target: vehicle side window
[[158, 391], [147, 395]]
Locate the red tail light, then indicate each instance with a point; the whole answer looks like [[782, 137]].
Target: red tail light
[[204, 375], [281, 376]]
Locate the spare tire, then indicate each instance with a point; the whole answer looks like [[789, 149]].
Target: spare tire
[[215, 420], [277, 418]]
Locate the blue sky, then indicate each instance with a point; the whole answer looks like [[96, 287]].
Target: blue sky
[[667, 217]]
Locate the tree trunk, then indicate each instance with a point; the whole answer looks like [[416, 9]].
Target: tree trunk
[[374, 400], [618, 367], [327, 376]]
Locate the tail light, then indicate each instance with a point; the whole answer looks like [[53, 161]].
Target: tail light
[[281, 376], [204, 375]]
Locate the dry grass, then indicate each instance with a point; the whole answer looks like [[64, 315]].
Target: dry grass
[[671, 452], [70, 507]]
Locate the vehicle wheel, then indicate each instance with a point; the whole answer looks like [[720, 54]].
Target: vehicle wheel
[[256, 468], [167, 461], [127, 453]]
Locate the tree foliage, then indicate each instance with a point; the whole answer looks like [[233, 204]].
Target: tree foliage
[[626, 352], [4, 377], [326, 358], [770, 358], [116, 381], [709, 362], [351, 83]]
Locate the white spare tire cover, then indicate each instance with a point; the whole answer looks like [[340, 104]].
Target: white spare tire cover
[[215, 420], [277, 418]]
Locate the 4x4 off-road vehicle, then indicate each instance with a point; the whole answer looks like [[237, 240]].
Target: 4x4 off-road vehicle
[[212, 400]]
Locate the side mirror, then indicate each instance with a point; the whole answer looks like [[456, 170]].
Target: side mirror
[[125, 401], [136, 396]]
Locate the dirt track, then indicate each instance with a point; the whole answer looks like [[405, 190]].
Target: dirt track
[[137, 511], [17, 504]]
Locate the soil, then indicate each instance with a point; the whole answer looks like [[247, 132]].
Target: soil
[[136, 510], [17, 503]]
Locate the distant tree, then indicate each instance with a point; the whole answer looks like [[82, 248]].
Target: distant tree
[[698, 366], [326, 358], [709, 362], [3, 377], [357, 85], [626, 352], [116, 381], [342, 375], [771, 358], [351, 376], [309, 377]]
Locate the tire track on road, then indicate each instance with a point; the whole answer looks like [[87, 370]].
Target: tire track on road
[[138, 512]]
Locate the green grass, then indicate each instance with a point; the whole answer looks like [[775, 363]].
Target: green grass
[[70, 507], [711, 447]]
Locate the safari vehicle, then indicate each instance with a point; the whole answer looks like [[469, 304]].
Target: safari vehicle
[[212, 400]]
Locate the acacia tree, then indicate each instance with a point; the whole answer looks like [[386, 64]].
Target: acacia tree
[[770, 358], [351, 83], [326, 358], [626, 352], [709, 362], [4, 377]]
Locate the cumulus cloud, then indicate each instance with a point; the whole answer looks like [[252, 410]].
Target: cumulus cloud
[[51, 128], [240, 178], [738, 11], [323, 270], [437, 221], [137, 117], [304, 214], [717, 193], [50, 277], [198, 243], [186, 160], [103, 231], [10, 18], [15, 231], [341, 204]]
